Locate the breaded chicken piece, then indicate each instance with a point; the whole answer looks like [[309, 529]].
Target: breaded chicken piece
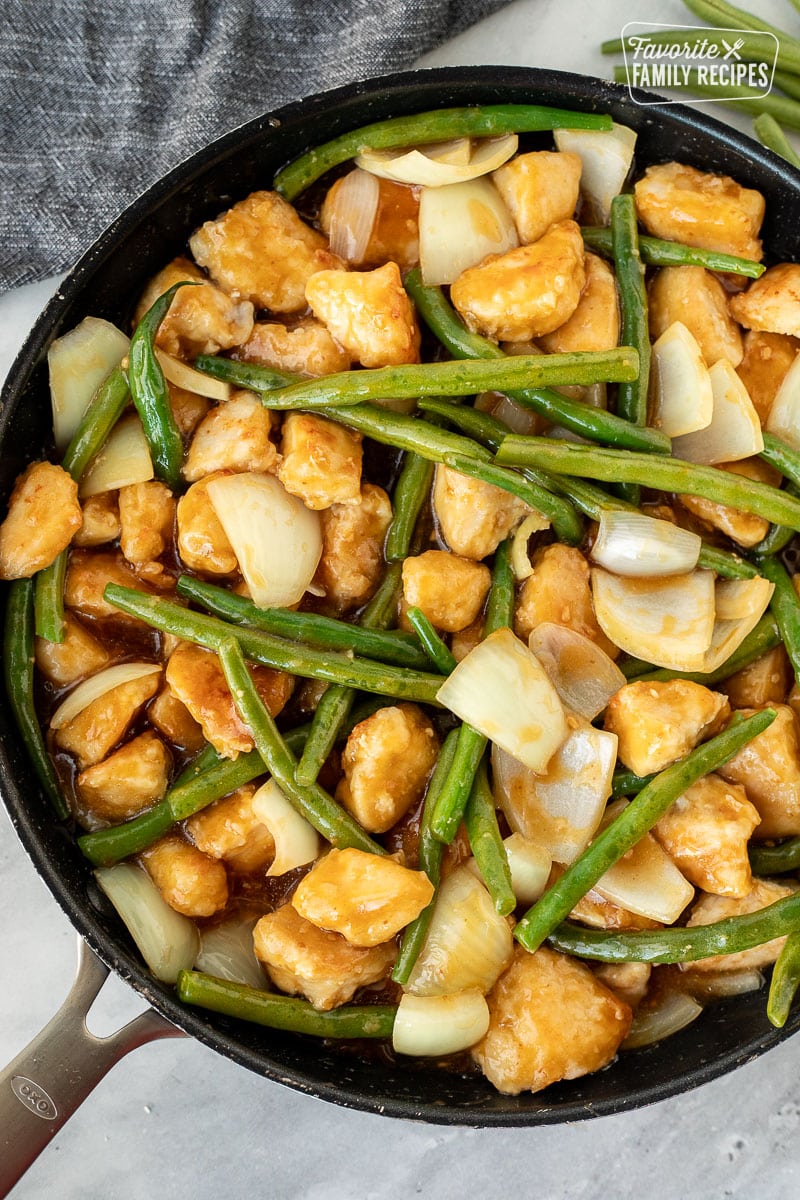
[[743, 527], [100, 725], [765, 681], [559, 591], [229, 830], [449, 589], [352, 547], [368, 312], [771, 303], [302, 959], [233, 437], [696, 298], [88, 574], [680, 203], [539, 189], [321, 461], [387, 761], [100, 520], [171, 717], [202, 542], [43, 515], [658, 722], [769, 769], [594, 325], [473, 517], [127, 782], [79, 654], [395, 227], [526, 292], [710, 909], [188, 408], [550, 1019], [196, 678], [767, 358], [706, 832], [147, 520], [191, 882], [304, 349], [262, 251], [200, 320]]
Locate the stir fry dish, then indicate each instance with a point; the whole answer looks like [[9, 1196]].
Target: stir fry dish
[[405, 616]]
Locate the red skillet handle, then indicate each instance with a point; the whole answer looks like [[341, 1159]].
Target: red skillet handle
[[43, 1086]]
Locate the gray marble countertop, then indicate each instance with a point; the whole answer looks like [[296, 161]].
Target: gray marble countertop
[[175, 1118]]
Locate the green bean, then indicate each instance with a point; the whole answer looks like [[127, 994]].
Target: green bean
[[728, 16], [631, 825], [731, 566], [785, 607], [328, 818], [751, 50], [18, 666], [779, 536], [276, 1011], [460, 377], [652, 470], [657, 252], [762, 638], [626, 783], [500, 603], [405, 433], [430, 861], [593, 423], [785, 981], [334, 707], [738, 96], [770, 134], [417, 129], [271, 651], [480, 818], [775, 860], [439, 653], [562, 515], [631, 396], [150, 391], [48, 600], [252, 376], [410, 494], [680, 944], [782, 456], [325, 633], [97, 422]]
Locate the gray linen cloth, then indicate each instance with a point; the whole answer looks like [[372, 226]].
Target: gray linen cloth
[[98, 98]]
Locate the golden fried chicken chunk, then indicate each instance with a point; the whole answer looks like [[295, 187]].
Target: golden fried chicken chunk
[[743, 527], [387, 762], [767, 358], [171, 717], [127, 782], [261, 250], [368, 312], [87, 576], [559, 591], [550, 1019], [306, 348], [473, 517], [200, 320], [234, 436], [765, 681], [658, 722], [769, 769], [698, 300], [43, 515], [304, 960], [680, 203], [147, 520], [97, 728], [229, 830], [79, 654], [594, 325], [771, 303], [710, 909], [202, 542], [100, 520], [191, 882], [321, 461], [352, 547], [395, 227], [526, 292], [449, 589], [706, 832], [539, 189]]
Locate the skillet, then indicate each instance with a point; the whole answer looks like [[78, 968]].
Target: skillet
[[36, 1100]]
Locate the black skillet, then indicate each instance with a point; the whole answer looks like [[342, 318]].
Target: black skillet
[[34, 1101]]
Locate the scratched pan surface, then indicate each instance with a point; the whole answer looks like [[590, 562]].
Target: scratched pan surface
[[104, 282]]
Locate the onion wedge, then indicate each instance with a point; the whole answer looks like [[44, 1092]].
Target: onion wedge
[[581, 672], [79, 362], [735, 430], [98, 685], [784, 415], [435, 1025], [440, 163], [636, 545], [645, 881], [296, 842], [459, 225], [668, 621], [123, 460], [606, 159], [740, 604], [168, 941], [191, 380], [682, 399]]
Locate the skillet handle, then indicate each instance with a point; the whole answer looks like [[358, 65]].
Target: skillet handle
[[53, 1075]]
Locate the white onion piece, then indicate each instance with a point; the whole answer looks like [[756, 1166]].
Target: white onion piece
[[683, 401], [671, 1012], [645, 881], [459, 225], [581, 672], [167, 940], [123, 460], [750, 597], [735, 430], [605, 161], [437, 164], [276, 539], [561, 809], [468, 943], [99, 685], [784, 415], [435, 1025], [296, 842], [192, 380], [668, 622], [521, 563], [226, 952], [502, 689], [350, 213], [529, 865], [630, 543], [78, 363]]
